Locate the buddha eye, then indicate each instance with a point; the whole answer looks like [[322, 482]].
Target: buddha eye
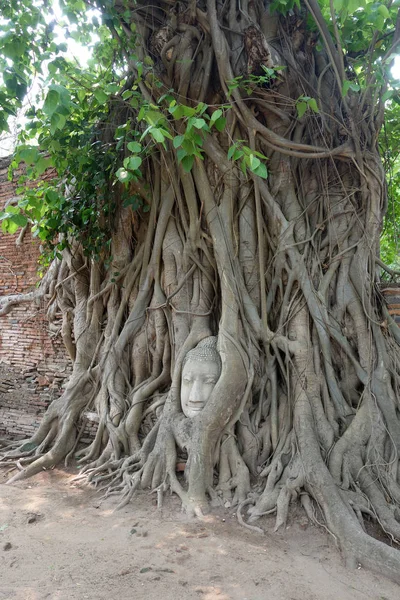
[[187, 380]]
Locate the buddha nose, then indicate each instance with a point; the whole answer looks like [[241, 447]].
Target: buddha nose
[[197, 393]]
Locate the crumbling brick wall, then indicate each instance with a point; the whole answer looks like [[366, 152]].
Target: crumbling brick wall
[[27, 345], [22, 402]]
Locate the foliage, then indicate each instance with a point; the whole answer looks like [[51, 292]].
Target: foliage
[[63, 122], [390, 149], [249, 83], [67, 119]]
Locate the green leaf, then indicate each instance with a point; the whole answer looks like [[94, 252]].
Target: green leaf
[[353, 5], [51, 196], [61, 120], [127, 94], [382, 9], [188, 111], [345, 87], [153, 117], [11, 210], [238, 154], [181, 110], [301, 108], [216, 115], [231, 152], [123, 175], [166, 133], [177, 141], [198, 140], [176, 111], [261, 171], [349, 85], [254, 162], [187, 163], [201, 108], [134, 162], [57, 121], [181, 153], [14, 49], [9, 227], [101, 96], [157, 135], [51, 102], [312, 103], [112, 88], [134, 147], [220, 123], [388, 95], [43, 235], [200, 124], [42, 164], [65, 96], [29, 155], [260, 155], [20, 220], [188, 145]]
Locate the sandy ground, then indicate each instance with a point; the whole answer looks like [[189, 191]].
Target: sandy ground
[[57, 542]]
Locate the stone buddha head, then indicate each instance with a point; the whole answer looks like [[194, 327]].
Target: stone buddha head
[[201, 371]]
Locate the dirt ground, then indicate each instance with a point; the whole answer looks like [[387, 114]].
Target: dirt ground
[[58, 542]]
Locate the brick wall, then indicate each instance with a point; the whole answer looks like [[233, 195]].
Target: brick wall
[[391, 293], [35, 357], [22, 402]]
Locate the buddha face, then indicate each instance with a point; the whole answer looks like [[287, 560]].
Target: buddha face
[[198, 381]]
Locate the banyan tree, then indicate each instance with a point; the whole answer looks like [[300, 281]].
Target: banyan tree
[[231, 319]]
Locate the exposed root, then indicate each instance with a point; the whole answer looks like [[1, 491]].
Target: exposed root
[[242, 521]]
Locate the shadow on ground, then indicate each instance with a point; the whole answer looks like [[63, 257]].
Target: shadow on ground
[[58, 542]]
